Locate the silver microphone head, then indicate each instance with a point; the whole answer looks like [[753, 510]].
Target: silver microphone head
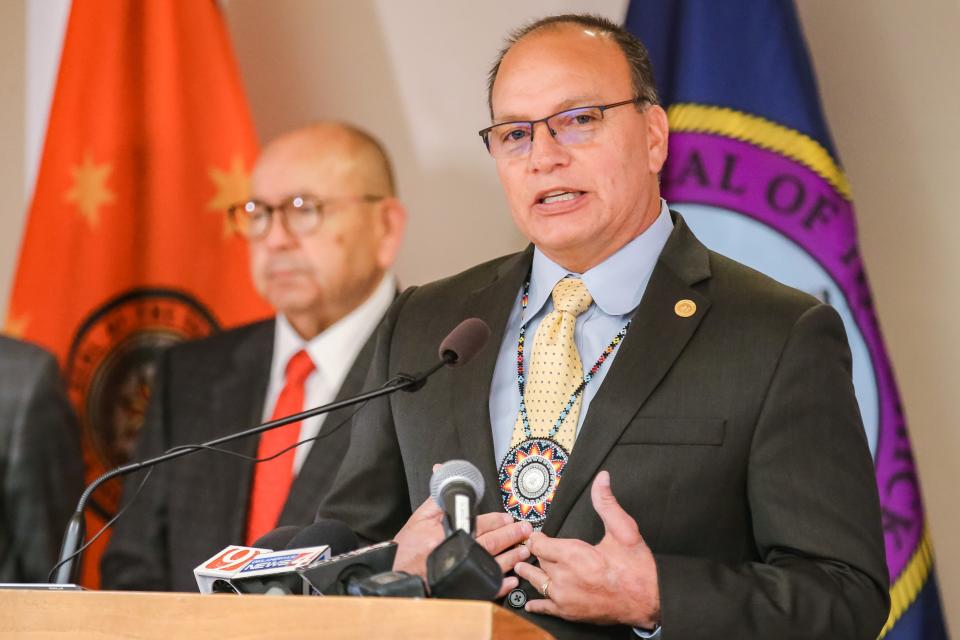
[[455, 471]]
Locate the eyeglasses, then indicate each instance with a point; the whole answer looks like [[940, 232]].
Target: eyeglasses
[[570, 127], [300, 215]]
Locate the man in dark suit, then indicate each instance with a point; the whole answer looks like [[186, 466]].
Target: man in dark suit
[[324, 227], [716, 481], [41, 466]]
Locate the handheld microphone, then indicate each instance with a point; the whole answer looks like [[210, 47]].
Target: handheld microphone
[[456, 349], [459, 567], [457, 487]]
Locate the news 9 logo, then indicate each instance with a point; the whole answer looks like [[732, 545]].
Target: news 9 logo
[[231, 559]]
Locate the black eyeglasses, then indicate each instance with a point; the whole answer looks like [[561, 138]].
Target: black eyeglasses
[[300, 215], [569, 127]]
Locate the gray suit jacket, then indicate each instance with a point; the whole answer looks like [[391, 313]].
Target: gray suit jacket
[[192, 507], [733, 437], [41, 465]]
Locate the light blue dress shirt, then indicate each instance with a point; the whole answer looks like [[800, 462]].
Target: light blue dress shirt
[[617, 285]]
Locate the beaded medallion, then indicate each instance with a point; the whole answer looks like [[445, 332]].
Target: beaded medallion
[[529, 476]]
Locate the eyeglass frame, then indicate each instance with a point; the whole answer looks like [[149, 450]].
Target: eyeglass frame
[[484, 133], [239, 208]]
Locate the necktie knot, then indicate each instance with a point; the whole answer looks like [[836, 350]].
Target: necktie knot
[[299, 367], [570, 295]]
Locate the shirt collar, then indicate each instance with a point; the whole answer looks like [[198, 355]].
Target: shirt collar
[[334, 349], [617, 283]]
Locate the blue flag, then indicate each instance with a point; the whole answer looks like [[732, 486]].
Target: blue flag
[[755, 173]]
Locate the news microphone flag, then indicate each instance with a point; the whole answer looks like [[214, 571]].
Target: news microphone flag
[[224, 565], [237, 563], [127, 247], [754, 171]]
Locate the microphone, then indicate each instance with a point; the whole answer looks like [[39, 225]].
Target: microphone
[[279, 538], [457, 487], [354, 571], [335, 576], [276, 573], [464, 342], [337, 535], [459, 567], [456, 349]]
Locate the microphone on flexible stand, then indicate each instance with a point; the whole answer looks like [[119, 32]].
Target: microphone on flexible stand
[[456, 349]]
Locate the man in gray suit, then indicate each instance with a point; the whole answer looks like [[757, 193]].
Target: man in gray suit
[[716, 481], [324, 227], [41, 465]]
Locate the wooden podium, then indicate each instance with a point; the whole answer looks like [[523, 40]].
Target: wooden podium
[[110, 614]]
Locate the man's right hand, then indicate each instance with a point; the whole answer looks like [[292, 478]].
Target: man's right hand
[[496, 532]]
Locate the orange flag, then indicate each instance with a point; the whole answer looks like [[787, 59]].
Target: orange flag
[[127, 247]]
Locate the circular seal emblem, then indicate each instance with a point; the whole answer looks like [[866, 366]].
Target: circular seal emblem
[[529, 476], [112, 362]]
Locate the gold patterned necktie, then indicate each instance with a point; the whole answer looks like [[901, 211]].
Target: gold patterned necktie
[[555, 368]]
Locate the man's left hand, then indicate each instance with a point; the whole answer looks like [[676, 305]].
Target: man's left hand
[[612, 582]]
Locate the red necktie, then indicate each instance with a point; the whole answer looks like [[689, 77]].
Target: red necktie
[[272, 479]]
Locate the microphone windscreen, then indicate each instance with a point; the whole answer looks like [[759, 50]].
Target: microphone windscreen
[[326, 531], [466, 339], [455, 471], [277, 539]]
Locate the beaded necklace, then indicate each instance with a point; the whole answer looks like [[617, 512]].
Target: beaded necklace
[[530, 472], [521, 378]]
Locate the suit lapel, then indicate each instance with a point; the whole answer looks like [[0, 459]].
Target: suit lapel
[[302, 500], [471, 398], [655, 340], [237, 400]]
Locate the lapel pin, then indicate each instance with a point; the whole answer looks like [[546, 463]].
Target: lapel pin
[[685, 308]]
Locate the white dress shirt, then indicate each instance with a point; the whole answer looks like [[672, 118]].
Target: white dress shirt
[[332, 351]]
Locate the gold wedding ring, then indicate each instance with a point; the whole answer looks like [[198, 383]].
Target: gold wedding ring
[[543, 589]]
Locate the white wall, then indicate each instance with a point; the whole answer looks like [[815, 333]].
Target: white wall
[[413, 72]]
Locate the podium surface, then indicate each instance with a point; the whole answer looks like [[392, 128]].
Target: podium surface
[[111, 614]]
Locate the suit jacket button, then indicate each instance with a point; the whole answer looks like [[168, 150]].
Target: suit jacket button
[[517, 598]]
